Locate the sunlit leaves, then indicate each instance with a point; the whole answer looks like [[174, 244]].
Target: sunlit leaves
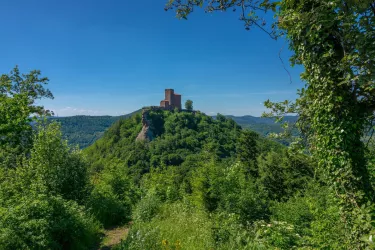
[[18, 108], [334, 41], [251, 12]]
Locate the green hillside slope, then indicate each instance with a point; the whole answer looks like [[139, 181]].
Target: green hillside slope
[[179, 136], [263, 126], [194, 182], [85, 130], [198, 183]]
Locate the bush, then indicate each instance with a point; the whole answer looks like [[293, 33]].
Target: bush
[[177, 226], [39, 221], [147, 208], [58, 167], [230, 233], [112, 197], [315, 215], [182, 226], [108, 207], [34, 210], [276, 235], [282, 175]]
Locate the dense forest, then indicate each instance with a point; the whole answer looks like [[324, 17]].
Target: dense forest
[[199, 176], [200, 182], [85, 130]]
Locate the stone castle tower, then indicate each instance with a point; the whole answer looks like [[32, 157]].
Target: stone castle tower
[[172, 100]]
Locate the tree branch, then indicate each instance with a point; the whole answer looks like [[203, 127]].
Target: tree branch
[[282, 61]]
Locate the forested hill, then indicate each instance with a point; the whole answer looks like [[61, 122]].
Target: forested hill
[[85, 130], [178, 136], [198, 183], [263, 126]]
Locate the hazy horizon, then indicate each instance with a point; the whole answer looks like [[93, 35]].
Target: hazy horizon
[[62, 116]]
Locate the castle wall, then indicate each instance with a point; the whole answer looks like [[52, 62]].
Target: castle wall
[[177, 101], [164, 104], [169, 93], [171, 100]]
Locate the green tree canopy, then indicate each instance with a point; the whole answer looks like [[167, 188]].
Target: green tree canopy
[[334, 41], [18, 93], [189, 105]]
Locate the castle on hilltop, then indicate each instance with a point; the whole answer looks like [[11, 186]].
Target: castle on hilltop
[[172, 100]]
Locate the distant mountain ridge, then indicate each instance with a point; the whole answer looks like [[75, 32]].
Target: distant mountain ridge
[[85, 130], [259, 120], [263, 126]]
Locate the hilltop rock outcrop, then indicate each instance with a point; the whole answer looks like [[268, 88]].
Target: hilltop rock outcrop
[[146, 132]]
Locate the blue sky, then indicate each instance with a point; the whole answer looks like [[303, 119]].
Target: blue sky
[[115, 56]]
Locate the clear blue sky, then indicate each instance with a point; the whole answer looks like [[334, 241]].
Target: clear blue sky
[[115, 56]]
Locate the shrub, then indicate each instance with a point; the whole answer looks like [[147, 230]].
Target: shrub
[[147, 208], [37, 199], [315, 215], [276, 235], [177, 226], [108, 207], [39, 221], [58, 167], [229, 233], [282, 175], [112, 197]]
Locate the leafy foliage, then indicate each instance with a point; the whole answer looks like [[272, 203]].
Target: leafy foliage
[[18, 93], [38, 199], [180, 134], [61, 169], [112, 197], [38, 221], [203, 182], [200, 183], [333, 40], [175, 227], [207, 171], [189, 105], [337, 104]]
